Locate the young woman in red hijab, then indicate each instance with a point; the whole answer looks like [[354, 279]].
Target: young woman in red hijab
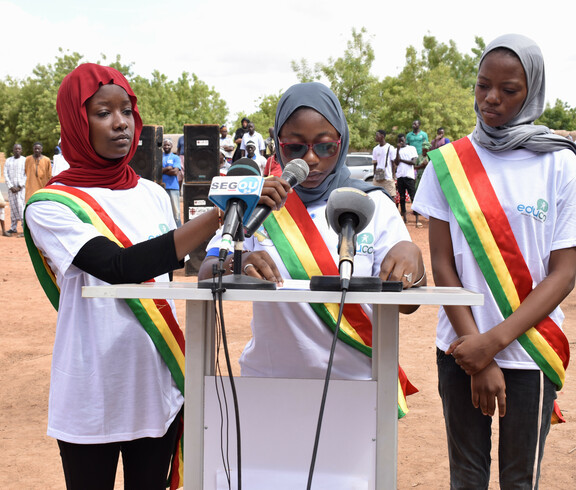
[[116, 380]]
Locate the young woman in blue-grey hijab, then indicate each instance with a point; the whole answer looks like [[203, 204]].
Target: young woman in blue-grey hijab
[[502, 209], [293, 340]]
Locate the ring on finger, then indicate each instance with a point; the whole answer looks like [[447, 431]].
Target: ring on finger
[[246, 267], [408, 277]]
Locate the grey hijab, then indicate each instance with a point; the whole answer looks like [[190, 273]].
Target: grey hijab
[[320, 98], [520, 132]]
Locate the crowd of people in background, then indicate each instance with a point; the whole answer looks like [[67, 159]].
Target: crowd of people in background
[[23, 176], [399, 169]]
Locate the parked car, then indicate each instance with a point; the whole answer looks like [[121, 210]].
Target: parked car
[[360, 166]]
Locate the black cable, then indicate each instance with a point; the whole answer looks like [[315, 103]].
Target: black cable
[[217, 294], [218, 380], [325, 393]]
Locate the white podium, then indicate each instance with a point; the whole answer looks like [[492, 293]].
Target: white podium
[[358, 445]]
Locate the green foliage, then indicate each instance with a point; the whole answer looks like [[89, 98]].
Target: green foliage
[[435, 86], [264, 117], [435, 98], [28, 111], [28, 108], [560, 116], [462, 67], [350, 78], [173, 104], [304, 72]]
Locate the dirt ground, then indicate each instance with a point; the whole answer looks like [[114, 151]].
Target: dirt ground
[[30, 460]]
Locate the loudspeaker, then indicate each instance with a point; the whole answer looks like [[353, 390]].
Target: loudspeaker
[[201, 152], [195, 202], [147, 161]]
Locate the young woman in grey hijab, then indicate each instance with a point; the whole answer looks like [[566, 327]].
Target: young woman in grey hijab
[[317, 96], [520, 131], [510, 352], [292, 340]]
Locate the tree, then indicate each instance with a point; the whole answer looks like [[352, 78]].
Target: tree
[[30, 107], [174, 104], [435, 98], [9, 108], [304, 72], [559, 116], [435, 86], [463, 67], [351, 80]]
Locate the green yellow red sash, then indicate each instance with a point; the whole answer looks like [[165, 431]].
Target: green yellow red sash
[[305, 254], [485, 225], [155, 315]]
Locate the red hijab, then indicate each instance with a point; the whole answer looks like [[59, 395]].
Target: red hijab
[[87, 168]]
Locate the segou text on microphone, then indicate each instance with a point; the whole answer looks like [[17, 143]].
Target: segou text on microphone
[[237, 194]]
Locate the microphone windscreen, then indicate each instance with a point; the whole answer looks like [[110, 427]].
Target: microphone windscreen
[[243, 166], [296, 171], [351, 201]]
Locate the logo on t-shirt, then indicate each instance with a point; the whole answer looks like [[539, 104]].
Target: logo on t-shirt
[[538, 211], [163, 229], [365, 244]]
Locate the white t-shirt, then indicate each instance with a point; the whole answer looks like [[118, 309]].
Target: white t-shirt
[[228, 141], [538, 194], [289, 339], [59, 164], [256, 138], [382, 155], [108, 381], [261, 161], [406, 153]]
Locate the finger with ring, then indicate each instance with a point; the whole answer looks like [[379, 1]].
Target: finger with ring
[[246, 267], [408, 277]]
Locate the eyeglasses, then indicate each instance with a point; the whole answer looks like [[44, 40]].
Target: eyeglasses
[[322, 150]]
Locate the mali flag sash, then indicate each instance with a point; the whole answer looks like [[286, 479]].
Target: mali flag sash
[[155, 315], [485, 225], [305, 254]]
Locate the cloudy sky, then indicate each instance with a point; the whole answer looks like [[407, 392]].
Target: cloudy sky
[[244, 49]]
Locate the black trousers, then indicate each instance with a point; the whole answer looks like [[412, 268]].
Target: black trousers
[[405, 184], [146, 462]]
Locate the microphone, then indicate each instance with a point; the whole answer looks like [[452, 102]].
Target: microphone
[[295, 172], [348, 211], [237, 194]]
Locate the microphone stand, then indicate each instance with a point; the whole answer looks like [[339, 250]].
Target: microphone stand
[[238, 280], [346, 281]]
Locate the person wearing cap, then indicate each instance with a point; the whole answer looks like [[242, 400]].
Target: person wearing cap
[[257, 157], [255, 137]]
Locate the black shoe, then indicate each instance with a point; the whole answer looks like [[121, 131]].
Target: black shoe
[[10, 233]]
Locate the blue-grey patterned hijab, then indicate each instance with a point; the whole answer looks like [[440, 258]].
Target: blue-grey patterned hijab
[[520, 132], [320, 98]]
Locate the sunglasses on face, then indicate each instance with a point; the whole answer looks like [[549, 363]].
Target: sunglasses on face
[[322, 150]]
